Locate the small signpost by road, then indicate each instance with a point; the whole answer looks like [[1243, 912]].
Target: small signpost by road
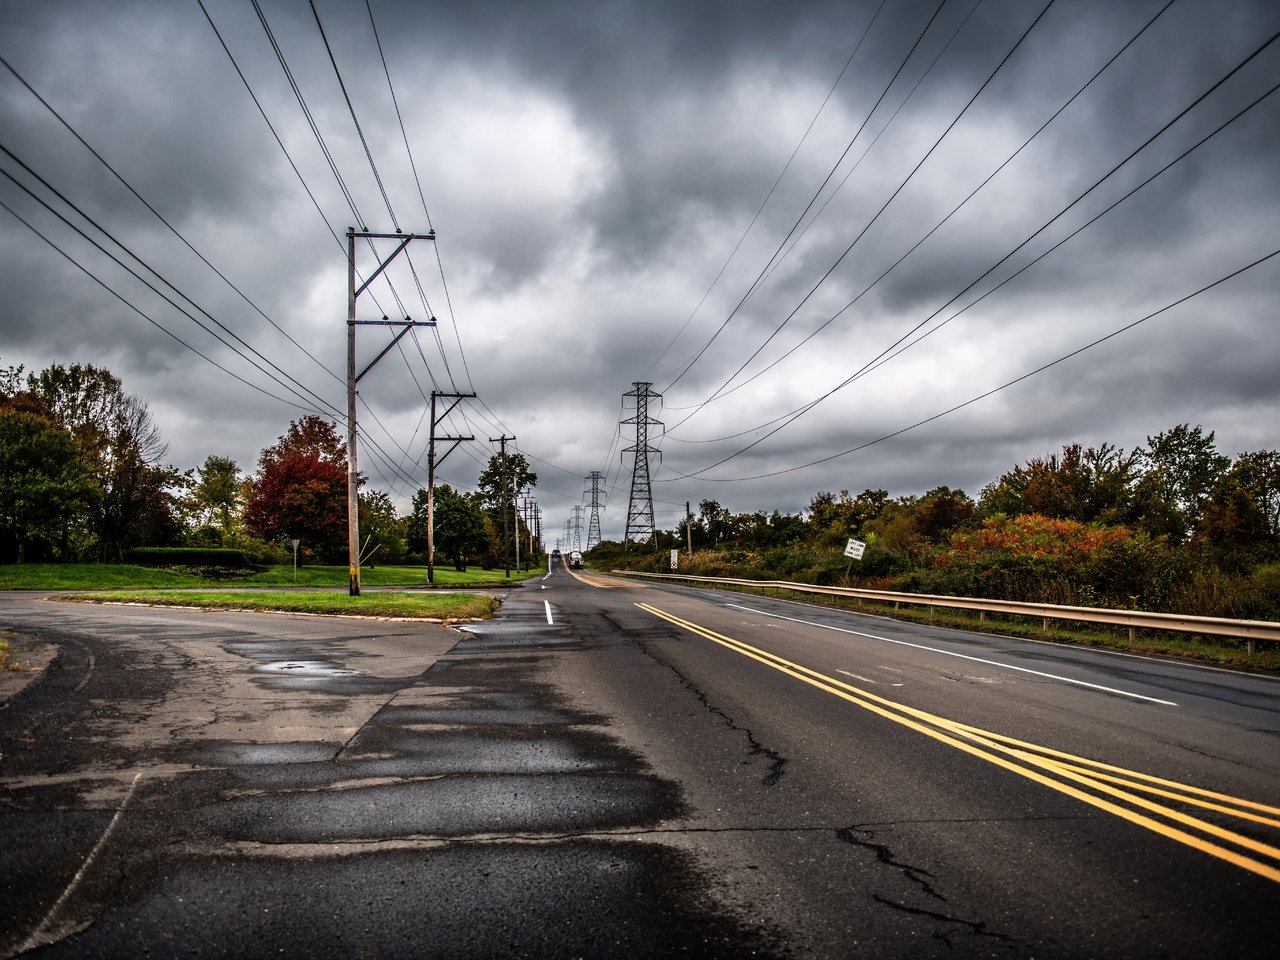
[[295, 559], [675, 559], [853, 550]]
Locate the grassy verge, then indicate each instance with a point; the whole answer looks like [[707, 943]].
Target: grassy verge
[[123, 576], [447, 607]]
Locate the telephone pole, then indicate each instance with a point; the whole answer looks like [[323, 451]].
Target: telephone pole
[[353, 378], [432, 463], [502, 506], [640, 507], [593, 525]]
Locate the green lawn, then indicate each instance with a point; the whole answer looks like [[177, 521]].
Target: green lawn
[[381, 603], [122, 576]]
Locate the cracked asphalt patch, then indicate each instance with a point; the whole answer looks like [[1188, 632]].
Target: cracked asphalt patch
[[266, 795]]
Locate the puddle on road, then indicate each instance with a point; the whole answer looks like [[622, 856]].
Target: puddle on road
[[306, 668], [511, 627], [263, 754]]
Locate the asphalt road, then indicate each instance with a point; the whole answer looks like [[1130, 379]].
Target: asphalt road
[[613, 769]]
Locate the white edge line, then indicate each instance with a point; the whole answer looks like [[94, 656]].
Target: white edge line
[[1098, 651], [547, 604], [949, 653], [33, 939]]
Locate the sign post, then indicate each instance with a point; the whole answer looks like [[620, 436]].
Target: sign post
[[675, 559], [295, 560], [853, 550]]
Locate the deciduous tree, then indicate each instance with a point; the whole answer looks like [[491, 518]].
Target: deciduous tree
[[300, 490], [44, 488], [460, 531]]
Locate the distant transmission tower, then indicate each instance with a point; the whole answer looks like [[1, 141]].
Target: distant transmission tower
[[593, 525], [577, 527], [640, 508]]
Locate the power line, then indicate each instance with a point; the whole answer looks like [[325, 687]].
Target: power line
[[867, 289], [354, 119], [172, 229], [764, 203], [151, 286], [1005, 386], [893, 196], [800, 411], [155, 323], [755, 283]]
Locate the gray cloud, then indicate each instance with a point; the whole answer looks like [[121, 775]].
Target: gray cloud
[[590, 168]]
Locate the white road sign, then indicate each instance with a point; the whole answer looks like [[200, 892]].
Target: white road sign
[[854, 549]]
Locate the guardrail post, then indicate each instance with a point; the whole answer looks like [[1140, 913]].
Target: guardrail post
[[1253, 647]]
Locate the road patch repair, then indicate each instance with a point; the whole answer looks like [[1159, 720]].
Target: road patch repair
[[465, 810]]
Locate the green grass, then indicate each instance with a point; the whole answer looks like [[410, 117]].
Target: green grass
[[123, 576], [417, 605]]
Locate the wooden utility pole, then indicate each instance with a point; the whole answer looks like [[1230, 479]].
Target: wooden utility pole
[[353, 378], [432, 462], [502, 507]]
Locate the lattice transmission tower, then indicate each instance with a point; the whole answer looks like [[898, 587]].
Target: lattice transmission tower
[[640, 507], [593, 524]]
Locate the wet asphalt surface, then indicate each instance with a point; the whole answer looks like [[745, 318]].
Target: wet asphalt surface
[[580, 778], [462, 810]]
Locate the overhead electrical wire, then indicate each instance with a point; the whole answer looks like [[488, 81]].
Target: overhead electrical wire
[[172, 229], [413, 166], [765, 202], [800, 411], [893, 196], [814, 333], [151, 320], [1004, 386], [354, 119], [299, 390], [794, 239], [669, 383]]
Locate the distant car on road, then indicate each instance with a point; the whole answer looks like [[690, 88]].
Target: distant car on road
[[556, 552], [575, 559]]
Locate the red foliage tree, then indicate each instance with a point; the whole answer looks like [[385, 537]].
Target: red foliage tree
[[300, 490]]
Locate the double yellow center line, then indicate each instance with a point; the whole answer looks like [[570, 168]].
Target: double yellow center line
[[1124, 793]]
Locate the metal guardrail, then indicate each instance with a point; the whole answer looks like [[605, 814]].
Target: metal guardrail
[[1249, 630]]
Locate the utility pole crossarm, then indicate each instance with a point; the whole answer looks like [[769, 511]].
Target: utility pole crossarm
[[407, 325], [404, 239]]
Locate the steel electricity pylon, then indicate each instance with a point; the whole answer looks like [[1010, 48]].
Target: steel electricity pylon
[[640, 507], [593, 523]]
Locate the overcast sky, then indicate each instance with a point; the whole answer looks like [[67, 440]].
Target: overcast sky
[[701, 196]]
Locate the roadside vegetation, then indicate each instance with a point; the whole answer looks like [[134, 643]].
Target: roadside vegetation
[[84, 481], [1172, 527]]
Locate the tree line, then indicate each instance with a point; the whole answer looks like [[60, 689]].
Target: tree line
[[83, 478], [1174, 525]]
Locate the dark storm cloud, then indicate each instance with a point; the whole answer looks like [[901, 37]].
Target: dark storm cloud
[[590, 168]]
